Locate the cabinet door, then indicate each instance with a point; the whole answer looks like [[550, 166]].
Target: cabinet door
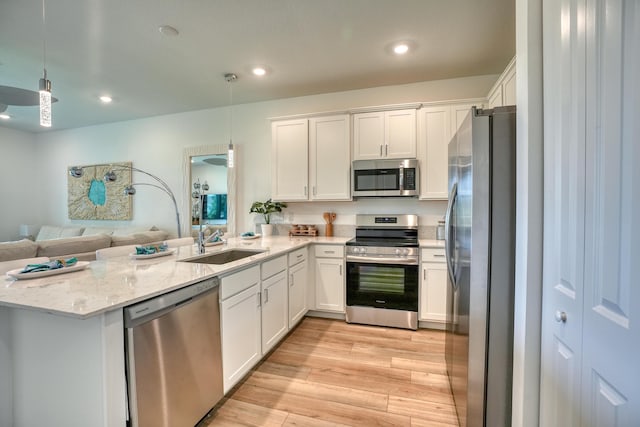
[[495, 97], [289, 154], [297, 293], [274, 310], [433, 292], [458, 113], [509, 88], [241, 338], [330, 284], [368, 135], [329, 158], [400, 134], [434, 137]]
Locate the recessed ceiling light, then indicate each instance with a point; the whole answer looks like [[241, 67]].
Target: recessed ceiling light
[[5, 116], [168, 30], [106, 99], [401, 48], [259, 71]]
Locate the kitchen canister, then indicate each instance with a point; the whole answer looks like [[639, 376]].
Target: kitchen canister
[[440, 230]]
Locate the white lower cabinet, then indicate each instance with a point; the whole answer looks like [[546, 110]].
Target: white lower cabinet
[[298, 278], [433, 287], [274, 302], [329, 275], [240, 324]]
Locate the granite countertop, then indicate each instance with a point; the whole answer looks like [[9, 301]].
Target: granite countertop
[[118, 282]]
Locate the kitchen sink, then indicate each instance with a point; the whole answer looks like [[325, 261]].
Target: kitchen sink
[[222, 257]]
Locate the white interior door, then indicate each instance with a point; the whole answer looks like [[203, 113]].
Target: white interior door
[[564, 175], [611, 343], [590, 342]]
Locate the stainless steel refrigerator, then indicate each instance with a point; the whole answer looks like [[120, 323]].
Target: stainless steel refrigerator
[[480, 246]]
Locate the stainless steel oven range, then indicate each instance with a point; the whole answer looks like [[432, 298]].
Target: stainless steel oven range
[[382, 271]]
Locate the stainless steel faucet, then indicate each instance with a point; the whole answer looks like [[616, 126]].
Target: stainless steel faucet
[[201, 239]]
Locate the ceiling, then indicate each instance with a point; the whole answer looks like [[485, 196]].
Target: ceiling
[[96, 47]]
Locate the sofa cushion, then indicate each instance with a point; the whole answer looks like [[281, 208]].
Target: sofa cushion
[[73, 245], [129, 231], [92, 231], [139, 238], [48, 232], [18, 249]]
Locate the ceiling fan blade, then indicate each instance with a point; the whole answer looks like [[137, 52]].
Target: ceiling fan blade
[[20, 97]]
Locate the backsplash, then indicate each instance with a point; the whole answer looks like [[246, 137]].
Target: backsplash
[[344, 230]]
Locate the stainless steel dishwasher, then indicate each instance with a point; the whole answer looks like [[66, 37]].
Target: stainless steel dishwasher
[[174, 361]]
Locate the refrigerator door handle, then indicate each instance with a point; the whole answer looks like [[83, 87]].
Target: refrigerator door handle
[[447, 235]]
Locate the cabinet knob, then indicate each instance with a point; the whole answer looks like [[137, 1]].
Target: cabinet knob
[[561, 316]]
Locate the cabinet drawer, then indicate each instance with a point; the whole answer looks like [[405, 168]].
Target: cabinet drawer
[[432, 255], [237, 282], [274, 266], [297, 256], [329, 251]]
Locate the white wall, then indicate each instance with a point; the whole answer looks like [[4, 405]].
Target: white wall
[[156, 145], [20, 184]]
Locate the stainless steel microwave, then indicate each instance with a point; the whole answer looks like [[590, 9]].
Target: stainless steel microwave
[[386, 178]]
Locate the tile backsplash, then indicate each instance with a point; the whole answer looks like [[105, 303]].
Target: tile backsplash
[[344, 230]]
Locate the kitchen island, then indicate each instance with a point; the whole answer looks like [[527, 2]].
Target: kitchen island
[[62, 357]]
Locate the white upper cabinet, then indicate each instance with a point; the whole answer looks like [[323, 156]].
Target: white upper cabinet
[[509, 86], [329, 158], [458, 114], [289, 153], [384, 135], [434, 133], [495, 97], [503, 91], [437, 124], [311, 159]]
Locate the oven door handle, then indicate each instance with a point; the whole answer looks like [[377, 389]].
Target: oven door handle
[[382, 260]]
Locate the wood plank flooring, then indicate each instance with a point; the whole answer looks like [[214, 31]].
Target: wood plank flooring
[[330, 373]]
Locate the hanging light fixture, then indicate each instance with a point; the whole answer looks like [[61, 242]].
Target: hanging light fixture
[[230, 78], [44, 84]]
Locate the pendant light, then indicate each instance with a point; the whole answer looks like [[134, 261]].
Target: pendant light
[[44, 84], [230, 78]]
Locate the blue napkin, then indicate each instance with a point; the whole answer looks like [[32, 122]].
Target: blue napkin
[[214, 238], [51, 265], [248, 234], [150, 249]]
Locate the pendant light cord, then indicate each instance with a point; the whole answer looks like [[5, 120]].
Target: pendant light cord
[[230, 112], [230, 78], [44, 40]]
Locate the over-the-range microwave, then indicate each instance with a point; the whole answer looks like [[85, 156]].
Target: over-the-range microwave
[[386, 178]]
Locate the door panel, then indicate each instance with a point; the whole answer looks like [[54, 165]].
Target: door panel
[[564, 165], [592, 203], [612, 342]]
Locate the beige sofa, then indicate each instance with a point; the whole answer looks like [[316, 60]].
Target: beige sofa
[[79, 242]]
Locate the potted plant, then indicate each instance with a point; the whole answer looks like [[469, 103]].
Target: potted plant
[[266, 209]]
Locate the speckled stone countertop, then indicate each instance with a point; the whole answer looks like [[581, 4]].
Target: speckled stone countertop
[[121, 281]]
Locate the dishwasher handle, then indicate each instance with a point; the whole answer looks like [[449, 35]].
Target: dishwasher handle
[[155, 307]]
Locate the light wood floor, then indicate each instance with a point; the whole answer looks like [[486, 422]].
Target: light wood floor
[[330, 373]]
